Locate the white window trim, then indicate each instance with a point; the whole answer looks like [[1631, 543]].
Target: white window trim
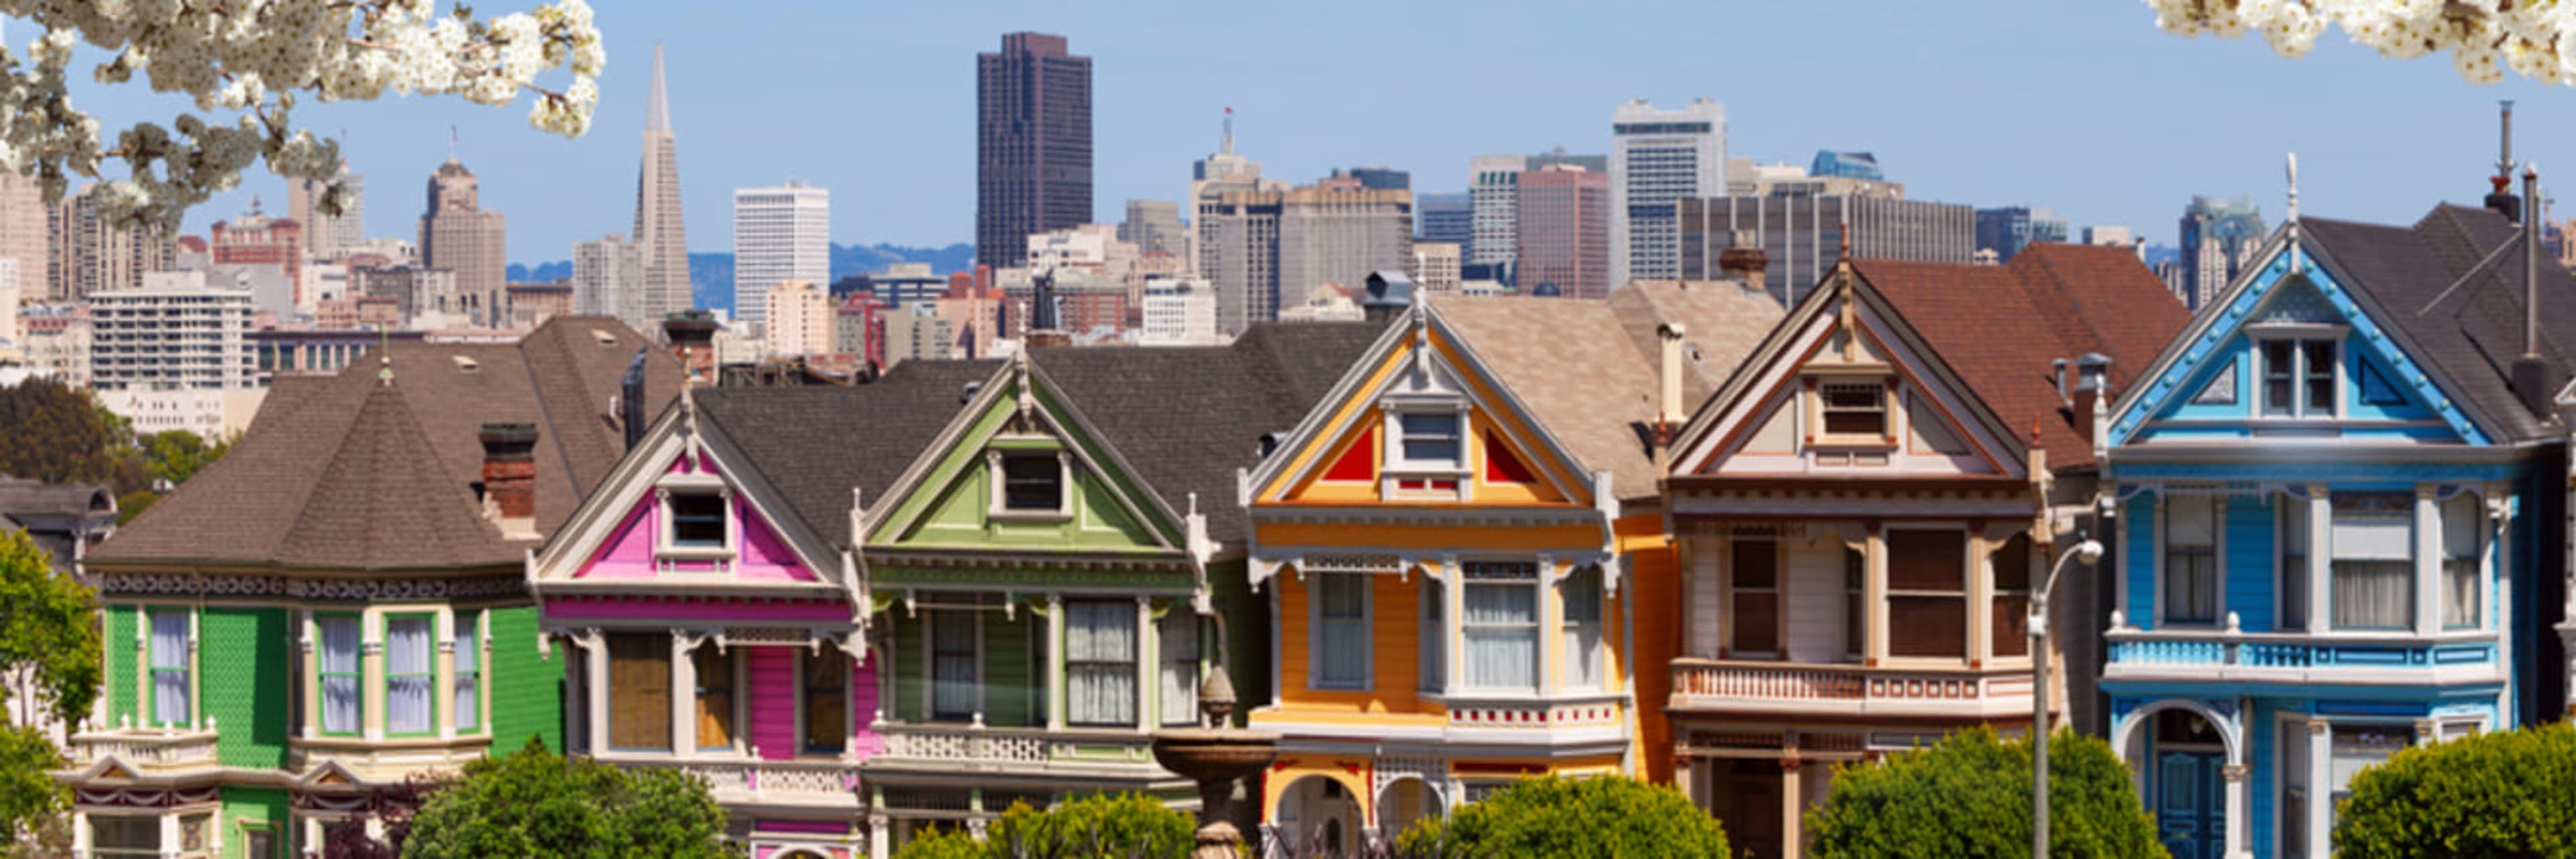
[[1399, 468], [2417, 567], [1891, 435], [2218, 561], [2297, 335], [1968, 595], [1137, 660], [2487, 539], [1315, 629], [1600, 629], [998, 507], [2288, 728], [665, 544]]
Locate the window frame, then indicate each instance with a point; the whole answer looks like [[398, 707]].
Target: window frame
[[807, 693], [2299, 375], [2165, 557], [1879, 387], [666, 543], [2291, 739], [1535, 585], [2413, 565], [1458, 474], [2476, 559], [1432, 650], [700, 690], [385, 624], [1855, 570], [186, 667], [1736, 590], [931, 653], [1964, 595], [1317, 631], [663, 643], [1590, 581], [467, 638], [1126, 668], [1179, 615], [997, 458], [2018, 618], [322, 675], [2290, 569]]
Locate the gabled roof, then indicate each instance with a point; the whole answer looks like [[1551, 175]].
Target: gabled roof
[[815, 444], [285, 493], [2076, 299], [1588, 370], [2468, 332], [36, 498]]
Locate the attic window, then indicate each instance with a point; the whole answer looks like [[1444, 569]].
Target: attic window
[[605, 338], [697, 520], [1030, 483], [1854, 408], [465, 364]]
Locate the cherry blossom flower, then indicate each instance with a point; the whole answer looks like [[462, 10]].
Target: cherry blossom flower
[[2532, 38]]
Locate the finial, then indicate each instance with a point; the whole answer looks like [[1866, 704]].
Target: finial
[[385, 374], [2292, 170], [2034, 432]]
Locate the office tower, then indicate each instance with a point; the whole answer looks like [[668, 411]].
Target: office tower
[[1378, 178], [1564, 232], [661, 235], [1435, 266], [2219, 236], [779, 233], [1264, 247], [2110, 236], [329, 236], [171, 330], [608, 280], [255, 239], [22, 244], [1558, 155], [1154, 225], [1449, 218], [1803, 236], [459, 235], [1657, 159], [1493, 198], [87, 252], [799, 317], [1032, 143], [1846, 165], [1179, 312], [2008, 229]]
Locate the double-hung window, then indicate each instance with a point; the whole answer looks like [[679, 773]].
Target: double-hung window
[[2191, 559], [1501, 625], [1855, 602], [2463, 530], [2299, 378], [1754, 587], [1341, 630], [2295, 541], [698, 520], [639, 691], [1854, 409], [467, 694], [410, 675], [954, 679], [169, 666], [338, 650], [1434, 636], [1927, 593], [715, 696], [1032, 482], [1583, 614], [1176, 642], [827, 701], [1100, 662], [2374, 560], [1431, 439], [2010, 620]]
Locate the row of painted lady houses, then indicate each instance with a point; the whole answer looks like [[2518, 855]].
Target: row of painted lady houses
[[1689, 533]]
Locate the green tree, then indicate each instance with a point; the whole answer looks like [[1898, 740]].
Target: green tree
[[49, 646], [1605, 816], [56, 434], [31, 802], [1120, 826], [536, 803], [176, 455], [1969, 795], [2508, 793]]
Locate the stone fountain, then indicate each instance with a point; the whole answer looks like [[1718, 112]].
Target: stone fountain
[[1215, 757]]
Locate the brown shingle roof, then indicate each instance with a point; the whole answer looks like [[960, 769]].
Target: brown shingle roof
[[1587, 369], [1999, 327], [344, 442]]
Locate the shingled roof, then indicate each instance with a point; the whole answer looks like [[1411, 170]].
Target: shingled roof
[[2471, 335], [1588, 370], [1999, 327], [344, 473]]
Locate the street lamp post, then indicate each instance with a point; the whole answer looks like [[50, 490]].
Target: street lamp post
[[2089, 553]]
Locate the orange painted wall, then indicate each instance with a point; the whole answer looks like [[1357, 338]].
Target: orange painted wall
[[1395, 644], [1656, 591]]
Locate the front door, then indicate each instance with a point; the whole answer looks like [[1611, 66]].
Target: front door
[[1748, 801], [2191, 806]]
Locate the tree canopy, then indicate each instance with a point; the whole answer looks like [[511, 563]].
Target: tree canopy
[[2508, 793], [49, 643], [1604, 816], [1969, 795], [536, 803], [57, 434], [1119, 826]]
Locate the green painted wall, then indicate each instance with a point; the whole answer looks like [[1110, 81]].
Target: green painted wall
[[527, 689], [123, 666], [255, 805], [1007, 678], [244, 654], [1247, 634]]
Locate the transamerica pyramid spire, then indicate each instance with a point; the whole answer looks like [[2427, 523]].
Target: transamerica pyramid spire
[[661, 236]]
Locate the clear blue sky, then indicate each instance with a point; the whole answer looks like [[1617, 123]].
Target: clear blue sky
[[2083, 107]]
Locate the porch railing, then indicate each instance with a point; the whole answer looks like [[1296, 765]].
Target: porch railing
[[1726, 684], [2163, 651], [150, 748], [982, 746]]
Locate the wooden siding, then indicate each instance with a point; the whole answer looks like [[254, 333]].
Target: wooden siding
[[771, 672], [1395, 642]]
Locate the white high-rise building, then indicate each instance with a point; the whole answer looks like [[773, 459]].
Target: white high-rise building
[[779, 234], [1657, 159], [1179, 311], [175, 330], [1494, 204], [608, 280]]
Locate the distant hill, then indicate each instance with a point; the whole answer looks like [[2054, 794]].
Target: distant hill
[[711, 274]]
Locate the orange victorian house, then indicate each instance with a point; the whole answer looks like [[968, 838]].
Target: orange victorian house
[[1452, 544]]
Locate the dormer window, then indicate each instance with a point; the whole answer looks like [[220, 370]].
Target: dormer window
[[1029, 478], [1426, 452], [697, 520], [1854, 408], [2299, 378], [1430, 439]]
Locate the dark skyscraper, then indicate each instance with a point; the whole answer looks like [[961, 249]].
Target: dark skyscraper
[[1032, 143]]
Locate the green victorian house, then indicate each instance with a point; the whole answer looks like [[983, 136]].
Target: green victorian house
[[340, 602]]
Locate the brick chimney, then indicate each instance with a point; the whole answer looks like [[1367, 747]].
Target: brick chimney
[[1744, 260], [510, 478], [692, 335]]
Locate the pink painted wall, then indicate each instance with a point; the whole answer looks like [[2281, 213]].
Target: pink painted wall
[[628, 551], [773, 702], [863, 707], [683, 608]]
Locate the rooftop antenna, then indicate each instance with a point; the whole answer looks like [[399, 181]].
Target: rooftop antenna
[[2291, 169], [2500, 197], [451, 143], [1225, 144]]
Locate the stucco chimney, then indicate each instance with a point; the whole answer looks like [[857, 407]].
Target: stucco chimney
[[510, 478], [1669, 413]]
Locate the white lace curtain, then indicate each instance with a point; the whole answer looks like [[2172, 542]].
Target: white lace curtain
[[408, 675], [469, 673], [169, 667], [1502, 636], [952, 670], [1343, 630], [1100, 663], [1176, 639], [339, 674]]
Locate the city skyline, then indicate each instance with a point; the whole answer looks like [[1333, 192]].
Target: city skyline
[[2088, 97]]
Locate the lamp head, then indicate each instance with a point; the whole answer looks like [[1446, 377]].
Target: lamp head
[[2089, 552]]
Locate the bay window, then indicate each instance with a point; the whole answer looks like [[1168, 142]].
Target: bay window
[[1341, 631], [1583, 615], [1434, 636], [954, 662], [467, 690], [1100, 662], [2374, 560], [170, 684], [2191, 559], [2009, 622], [2463, 530], [1176, 641], [639, 691], [410, 674], [1754, 587], [342, 707], [827, 701], [1501, 625], [1927, 593]]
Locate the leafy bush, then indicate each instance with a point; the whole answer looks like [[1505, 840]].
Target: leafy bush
[[534, 803], [1125, 826], [2509, 793], [1969, 795], [1605, 816]]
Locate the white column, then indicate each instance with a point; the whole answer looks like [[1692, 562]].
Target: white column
[[595, 657], [1790, 791], [684, 697], [2320, 791], [1055, 662], [1146, 650], [878, 834], [1873, 591], [2320, 559], [1551, 626], [2239, 799], [2428, 562], [80, 833], [1453, 644]]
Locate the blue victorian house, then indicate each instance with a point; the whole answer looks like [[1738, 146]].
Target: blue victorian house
[[2334, 497]]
